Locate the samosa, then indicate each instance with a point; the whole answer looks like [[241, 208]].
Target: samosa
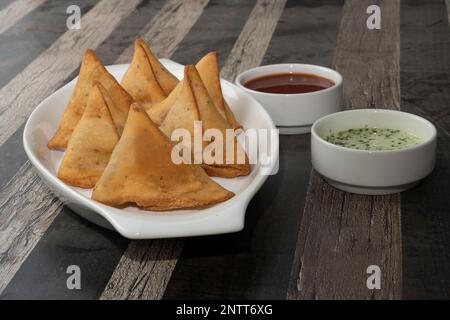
[[208, 68], [141, 171], [91, 70], [159, 111], [166, 80], [140, 80], [234, 164], [91, 143], [192, 103]]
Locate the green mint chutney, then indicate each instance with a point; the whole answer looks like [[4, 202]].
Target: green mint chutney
[[377, 139]]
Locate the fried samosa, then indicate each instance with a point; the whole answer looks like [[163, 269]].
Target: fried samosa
[[91, 143], [193, 103], [91, 70], [208, 68], [234, 164], [140, 80], [141, 171], [166, 80], [159, 111]]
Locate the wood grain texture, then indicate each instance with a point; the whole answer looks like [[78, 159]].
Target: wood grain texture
[[425, 75], [256, 262], [16, 11], [145, 269], [447, 5], [217, 29], [172, 16], [122, 274], [341, 234], [254, 39], [168, 28], [47, 72], [153, 269], [27, 208], [18, 98]]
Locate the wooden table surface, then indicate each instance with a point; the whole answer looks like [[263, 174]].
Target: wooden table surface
[[303, 239]]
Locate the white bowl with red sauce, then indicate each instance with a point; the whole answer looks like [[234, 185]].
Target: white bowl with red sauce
[[295, 95]]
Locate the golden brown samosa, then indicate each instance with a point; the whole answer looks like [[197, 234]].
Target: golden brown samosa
[[118, 108], [183, 112], [208, 68], [166, 80], [91, 70], [232, 165], [192, 103], [141, 171], [140, 80], [159, 111], [91, 143]]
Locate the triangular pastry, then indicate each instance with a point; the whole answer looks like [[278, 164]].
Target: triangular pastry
[[90, 145], [159, 111], [166, 80], [208, 68], [139, 79], [91, 70], [191, 102], [141, 171], [234, 164]]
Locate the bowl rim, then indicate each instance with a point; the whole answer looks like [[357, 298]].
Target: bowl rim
[[337, 83], [426, 122]]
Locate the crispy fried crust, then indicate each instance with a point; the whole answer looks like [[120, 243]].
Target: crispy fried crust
[[141, 171], [211, 119], [140, 80], [208, 68], [166, 80], [91, 70], [91, 144]]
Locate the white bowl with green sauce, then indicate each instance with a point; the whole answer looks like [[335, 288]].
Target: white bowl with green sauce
[[373, 151]]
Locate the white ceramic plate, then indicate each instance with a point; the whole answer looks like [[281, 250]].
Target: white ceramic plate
[[132, 222]]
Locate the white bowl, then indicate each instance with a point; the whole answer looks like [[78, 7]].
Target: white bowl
[[133, 222], [373, 172], [295, 113]]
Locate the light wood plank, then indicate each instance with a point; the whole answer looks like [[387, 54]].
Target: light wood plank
[[254, 39], [144, 270], [15, 11], [151, 277], [149, 258], [27, 208], [168, 28], [23, 175], [447, 5], [341, 234], [48, 71]]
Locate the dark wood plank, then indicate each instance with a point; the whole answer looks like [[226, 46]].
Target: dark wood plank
[[19, 46], [255, 263], [226, 18], [72, 240], [28, 37], [153, 254], [15, 11], [341, 234], [74, 228], [150, 259], [249, 49], [38, 207], [425, 74], [56, 63]]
